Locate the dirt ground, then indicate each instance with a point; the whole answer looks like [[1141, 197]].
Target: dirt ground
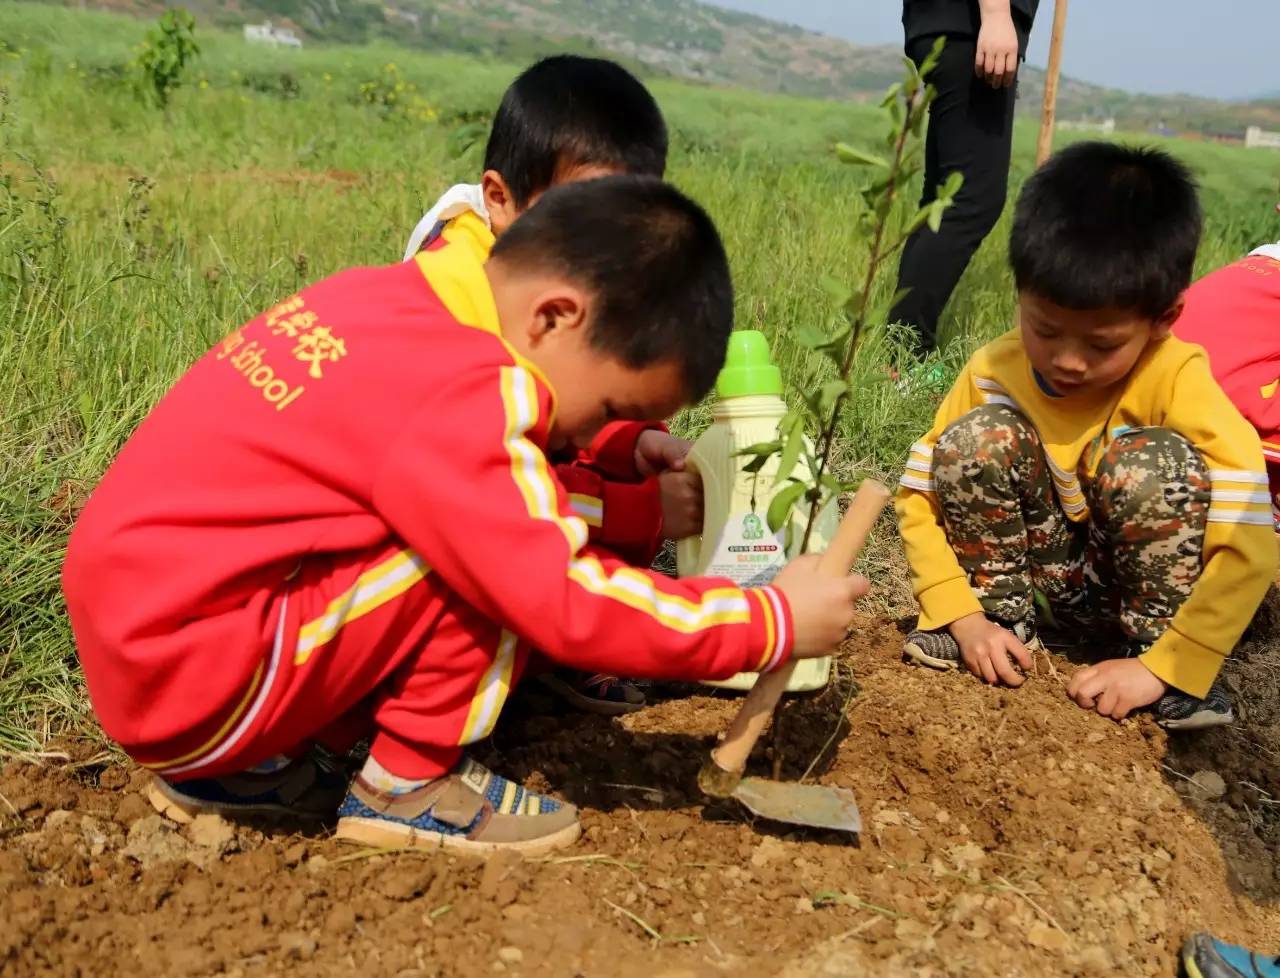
[[1006, 833]]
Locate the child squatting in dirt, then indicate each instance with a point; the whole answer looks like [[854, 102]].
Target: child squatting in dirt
[[341, 523], [569, 118], [1089, 461]]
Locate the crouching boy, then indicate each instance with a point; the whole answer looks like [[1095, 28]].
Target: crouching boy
[[341, 523], [1088, 462]]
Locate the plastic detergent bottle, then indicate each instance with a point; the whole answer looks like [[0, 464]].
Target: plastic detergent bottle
[[736, 542]]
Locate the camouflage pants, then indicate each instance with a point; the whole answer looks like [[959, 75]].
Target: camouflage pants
[[1130, 564]]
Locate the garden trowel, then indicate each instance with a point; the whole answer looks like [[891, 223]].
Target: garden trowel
[[813, 805]]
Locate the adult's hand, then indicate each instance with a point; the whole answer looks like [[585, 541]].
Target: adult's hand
[[997, 59]]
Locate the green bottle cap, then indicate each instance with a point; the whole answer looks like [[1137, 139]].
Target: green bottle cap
[[748, 371]]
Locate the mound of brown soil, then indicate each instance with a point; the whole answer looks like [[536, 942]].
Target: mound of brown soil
[[1007, 833]]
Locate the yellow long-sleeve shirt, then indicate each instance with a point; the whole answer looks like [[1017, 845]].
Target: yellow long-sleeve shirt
[[1169, 387]]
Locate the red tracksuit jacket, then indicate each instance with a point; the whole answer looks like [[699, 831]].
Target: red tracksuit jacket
[[377, 405], [1234, 313]]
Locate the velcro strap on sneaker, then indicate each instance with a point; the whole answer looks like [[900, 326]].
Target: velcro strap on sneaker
[[448, 799]]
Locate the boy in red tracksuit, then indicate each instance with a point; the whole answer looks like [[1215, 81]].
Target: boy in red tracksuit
[[341, 522], [1234, 313], [569, 118]]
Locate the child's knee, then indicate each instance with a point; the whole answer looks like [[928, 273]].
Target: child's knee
[[1153, 473], [991, 436]]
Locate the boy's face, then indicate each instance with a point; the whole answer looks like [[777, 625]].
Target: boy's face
[[501, 205], [547, 320], [1078, 351]]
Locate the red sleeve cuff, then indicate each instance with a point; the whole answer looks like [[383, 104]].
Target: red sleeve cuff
[[613, 450], [632, 519], [772, 632]]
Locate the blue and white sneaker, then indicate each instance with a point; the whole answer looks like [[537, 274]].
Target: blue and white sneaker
[[1204, 956], [297, 789], [470, 809]]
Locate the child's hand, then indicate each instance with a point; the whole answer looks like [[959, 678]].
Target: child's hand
[[1116, 687], [681, 494], [658, 452], [821, 605], [986, 647]]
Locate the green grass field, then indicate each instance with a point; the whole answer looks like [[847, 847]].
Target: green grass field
[[132, 238]]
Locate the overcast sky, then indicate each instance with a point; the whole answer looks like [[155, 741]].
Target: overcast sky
[[1227, 48]]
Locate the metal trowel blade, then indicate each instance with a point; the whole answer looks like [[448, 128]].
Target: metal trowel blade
[[815, 805]]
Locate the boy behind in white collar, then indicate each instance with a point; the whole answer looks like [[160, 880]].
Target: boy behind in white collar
[[565, 119]]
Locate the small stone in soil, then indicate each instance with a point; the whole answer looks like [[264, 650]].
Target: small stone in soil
[[298, 946], [1209, 784], [767, 851], [1094, 960], [1076, 863], [152, 841], [510, 955], [1049, 938], [212, 832], [341, 920]]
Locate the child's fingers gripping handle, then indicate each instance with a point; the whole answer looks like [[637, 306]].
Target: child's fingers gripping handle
[[753, 716]]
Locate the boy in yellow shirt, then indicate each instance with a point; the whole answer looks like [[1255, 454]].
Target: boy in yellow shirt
[[1089, 462]]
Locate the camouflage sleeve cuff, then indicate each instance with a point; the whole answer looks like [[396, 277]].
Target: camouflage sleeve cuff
[[943, 603], [1183, 663]]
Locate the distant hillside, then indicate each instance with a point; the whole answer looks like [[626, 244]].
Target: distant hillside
[[684, 39]]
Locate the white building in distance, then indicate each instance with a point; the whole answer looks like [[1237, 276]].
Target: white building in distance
[[1106, 127], [1255, 137], [268, 33]]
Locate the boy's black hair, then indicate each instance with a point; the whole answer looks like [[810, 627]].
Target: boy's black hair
[[651, 258], [1102, 225], [568, 110]]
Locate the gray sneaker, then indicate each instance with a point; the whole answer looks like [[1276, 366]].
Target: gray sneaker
[[1177, 710], [938, 650]]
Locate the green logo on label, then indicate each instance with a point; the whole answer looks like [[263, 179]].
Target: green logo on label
[[752, 528]]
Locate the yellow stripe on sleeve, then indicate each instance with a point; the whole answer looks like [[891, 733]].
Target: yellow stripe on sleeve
[[720, 606], [528, 463], [590, 509]]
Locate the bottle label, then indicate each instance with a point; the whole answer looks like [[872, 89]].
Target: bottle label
[[748, 554]]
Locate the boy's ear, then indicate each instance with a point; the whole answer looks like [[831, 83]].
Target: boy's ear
[[1165, 323], [498, 201], [559, 313]]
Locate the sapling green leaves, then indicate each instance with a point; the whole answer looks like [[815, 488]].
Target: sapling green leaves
[[906, 107]]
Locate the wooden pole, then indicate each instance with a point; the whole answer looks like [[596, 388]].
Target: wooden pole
[[1044, 145]]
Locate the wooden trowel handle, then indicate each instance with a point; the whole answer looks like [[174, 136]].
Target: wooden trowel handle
[[753, 716]]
